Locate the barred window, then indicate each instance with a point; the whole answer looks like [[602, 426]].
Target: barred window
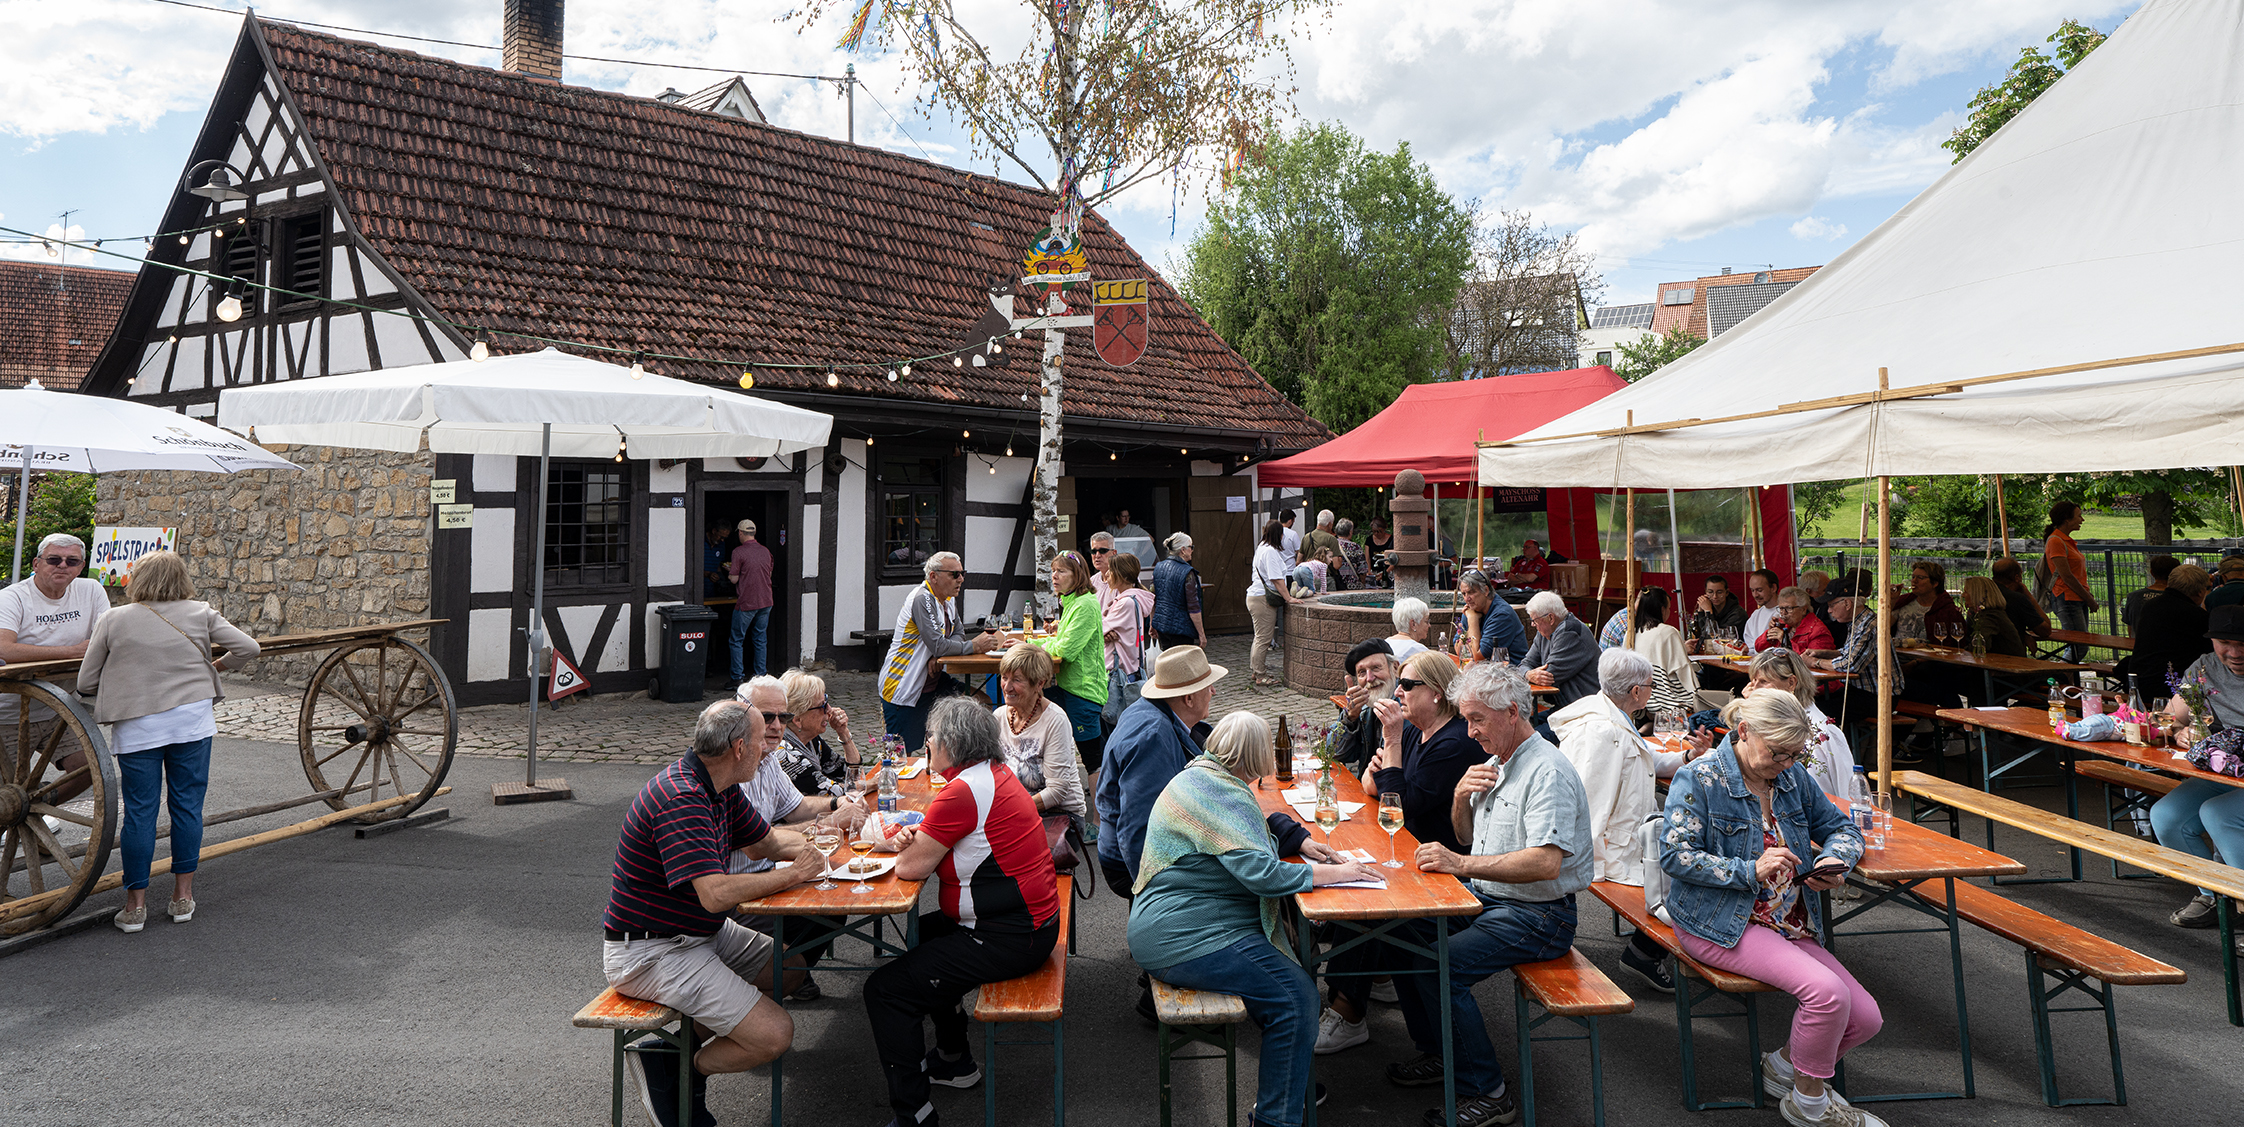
[[911, 511], [587, 525]]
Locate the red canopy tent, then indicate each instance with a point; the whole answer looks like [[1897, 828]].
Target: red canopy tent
[[1433, 428]]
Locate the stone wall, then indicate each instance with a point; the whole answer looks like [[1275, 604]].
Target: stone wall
[[344, 543], [1320, 634]]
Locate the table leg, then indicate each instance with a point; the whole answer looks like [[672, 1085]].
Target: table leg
[[2228, 958], [1955, 962], [1305, 933], [779, 998]]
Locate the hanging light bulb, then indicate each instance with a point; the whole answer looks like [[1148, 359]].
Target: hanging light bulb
[[172, 339], [748, 380], [907, 370], [623, 446], [1008, 449], [958, 361], [892, 375], [1181, 450], [230, 306], [1016, 334], [638, 366], [868, 440], [1024, 397], [833, 379], [1110, 455], [481, 349], [53, 251], [993, 469], [182, 240], [966, 434]]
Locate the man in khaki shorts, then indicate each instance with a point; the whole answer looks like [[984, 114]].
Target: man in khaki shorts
[[668, 936]]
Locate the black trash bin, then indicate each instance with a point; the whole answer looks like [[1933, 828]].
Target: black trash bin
[[689, 632]]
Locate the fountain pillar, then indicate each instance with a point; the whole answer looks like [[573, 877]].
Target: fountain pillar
[[1413, 555]]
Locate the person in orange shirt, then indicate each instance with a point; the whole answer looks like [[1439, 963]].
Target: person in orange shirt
[[2068, 572], [1532, 568]]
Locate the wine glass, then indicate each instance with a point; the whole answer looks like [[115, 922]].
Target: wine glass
[[860, 847], [1328, 819], [1390, 820], [826, 840]]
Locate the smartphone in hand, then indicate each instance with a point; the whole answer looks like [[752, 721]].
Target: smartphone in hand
[[1828, 868]]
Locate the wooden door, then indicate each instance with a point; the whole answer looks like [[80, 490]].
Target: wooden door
[[1223, 550]]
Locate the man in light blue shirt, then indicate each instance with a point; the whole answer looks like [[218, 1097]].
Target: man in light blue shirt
[[1527, 817]]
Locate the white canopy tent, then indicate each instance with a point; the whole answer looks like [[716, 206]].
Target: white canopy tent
[[2102, 224], [2065, 299], [541, 403]]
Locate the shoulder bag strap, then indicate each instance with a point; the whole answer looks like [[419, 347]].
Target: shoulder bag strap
[[202, 649]]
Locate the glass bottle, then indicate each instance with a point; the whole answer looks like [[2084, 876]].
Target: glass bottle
[[1284, 751]]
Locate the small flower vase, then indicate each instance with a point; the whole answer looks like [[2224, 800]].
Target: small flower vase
[[1328, 792]]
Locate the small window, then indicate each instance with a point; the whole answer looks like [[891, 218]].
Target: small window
[[588, 525], [1605, 358], [911, 513], [301, 267], [239, 260]]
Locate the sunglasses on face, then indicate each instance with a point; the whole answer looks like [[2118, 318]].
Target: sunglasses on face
[[1102, 551], [63, 561], [779, 717], [1406, 684], [819, 707], [953, 574]]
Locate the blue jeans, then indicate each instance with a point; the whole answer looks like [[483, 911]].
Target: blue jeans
[[744, 624], [1505, 934], [179, 772], [1282, 999], [2072, 615], [2200, 809]]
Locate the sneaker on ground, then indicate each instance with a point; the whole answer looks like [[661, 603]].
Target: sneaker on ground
[[1835, 1114], [1498, 1110], [130, 920], [2197, 913], [1777, 1077], [654, 1067], [960, 1073], [1385, 992], [1421, 1071], [807, 992], [1652, 971], [1335, 1033], [181, 910]]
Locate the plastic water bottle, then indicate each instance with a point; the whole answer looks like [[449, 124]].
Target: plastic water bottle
[[1859, 807], [887, 784]]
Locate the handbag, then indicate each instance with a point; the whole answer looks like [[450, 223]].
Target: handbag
[[1123, 690]]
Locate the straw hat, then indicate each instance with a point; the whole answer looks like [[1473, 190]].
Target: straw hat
[[1181, 671]]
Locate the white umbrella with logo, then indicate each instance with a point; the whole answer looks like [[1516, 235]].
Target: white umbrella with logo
[[52, 430]]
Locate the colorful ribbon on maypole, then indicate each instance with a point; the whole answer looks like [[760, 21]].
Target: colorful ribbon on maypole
[[856, 34]]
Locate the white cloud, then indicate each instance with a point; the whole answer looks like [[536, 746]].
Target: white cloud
[[1815, 227], [28, 250]]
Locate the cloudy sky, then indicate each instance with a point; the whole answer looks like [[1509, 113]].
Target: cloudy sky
[[1677, 137]]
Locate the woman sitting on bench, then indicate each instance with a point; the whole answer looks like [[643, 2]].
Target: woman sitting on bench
[[1738, 893], [1205, 915]]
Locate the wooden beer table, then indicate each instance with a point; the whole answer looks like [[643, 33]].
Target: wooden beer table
[[2055, 644], [1377, 915], [1742, 666], [1911, 857], [2003, 673], [889, 896]]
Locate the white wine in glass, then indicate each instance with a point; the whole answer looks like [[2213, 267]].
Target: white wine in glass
[[860, 847], [825, 843], [1328, 819], [1390, 820]]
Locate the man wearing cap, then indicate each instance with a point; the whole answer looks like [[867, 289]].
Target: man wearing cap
[[1153, 741], [2200, 808], [1371, 670], [2231, 591], [750, 572]]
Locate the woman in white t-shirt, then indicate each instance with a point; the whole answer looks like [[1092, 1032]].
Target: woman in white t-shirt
[[1266, 594], [150, 673], [1039, 741]]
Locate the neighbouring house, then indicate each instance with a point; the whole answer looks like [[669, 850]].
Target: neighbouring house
[[54, 320], [1710, 306], [403, 205], [1503, 327], [1610, 327]]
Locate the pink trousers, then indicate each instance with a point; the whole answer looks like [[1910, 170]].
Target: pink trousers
[[1835, 1013]]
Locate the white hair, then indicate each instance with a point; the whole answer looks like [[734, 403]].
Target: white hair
[[53, 538], [1408, 613], [1495, 685], [1102, 538], [1546, 602], [935, 562], [1324, 518], [747, 690], [1620, 670]]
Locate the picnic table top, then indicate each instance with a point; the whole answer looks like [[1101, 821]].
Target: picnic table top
[[2033, 724], [1410, 891]]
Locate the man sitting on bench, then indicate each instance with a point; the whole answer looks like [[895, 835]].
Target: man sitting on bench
[[1526, 819], [668, 938]]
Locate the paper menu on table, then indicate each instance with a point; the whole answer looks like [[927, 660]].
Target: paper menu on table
[[1378, 884], [1363, 855]]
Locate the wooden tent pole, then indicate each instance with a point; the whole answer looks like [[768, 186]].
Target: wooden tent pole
[[2002, 517], [1480, 524], [1885, 629], [1628, 598]]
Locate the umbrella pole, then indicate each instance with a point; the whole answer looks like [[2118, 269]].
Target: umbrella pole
[[1885, 628], [23, 509], [1628, 576], [531, 790]]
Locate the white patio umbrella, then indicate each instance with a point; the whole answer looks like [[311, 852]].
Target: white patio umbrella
[[54, 430], [541, 403]]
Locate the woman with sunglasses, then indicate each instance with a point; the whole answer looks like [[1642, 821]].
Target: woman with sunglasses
[[811, 763], [1425, 749], [1741, 823]]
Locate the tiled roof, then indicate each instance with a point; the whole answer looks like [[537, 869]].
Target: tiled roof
[[611, 219], [1693, 317], [1728, 305], [54, 320]]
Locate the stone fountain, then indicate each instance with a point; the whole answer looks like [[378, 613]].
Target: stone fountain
[[1413, 554]]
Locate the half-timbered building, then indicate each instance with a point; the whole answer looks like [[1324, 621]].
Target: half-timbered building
[[398, 206]]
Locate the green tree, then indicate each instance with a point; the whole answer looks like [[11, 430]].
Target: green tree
[[60, 502], [2034, 72], [1648, 354], [1332, 269]]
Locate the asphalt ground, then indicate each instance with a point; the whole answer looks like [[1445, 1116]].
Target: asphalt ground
[[428, 976]]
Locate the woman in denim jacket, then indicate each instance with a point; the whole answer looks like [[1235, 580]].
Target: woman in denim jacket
[[1739, 821]]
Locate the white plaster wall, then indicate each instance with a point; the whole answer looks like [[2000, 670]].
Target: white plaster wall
[[671, 480], [666, 545], [849, 544], [494, 473], [1003, 487], [987, 539], [491, 550], [580, 622], [346, 346], [489, 642], [892, 601], [400, 342], [808, 618]]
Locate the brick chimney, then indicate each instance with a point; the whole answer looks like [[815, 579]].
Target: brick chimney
[[532, 43]]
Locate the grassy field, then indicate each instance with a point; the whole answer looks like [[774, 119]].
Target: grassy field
[[1846, 521]]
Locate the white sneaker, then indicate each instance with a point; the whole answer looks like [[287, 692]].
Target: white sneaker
[[1385, 992], [1835, 1114], [1777, 1077], [1335, 1033]]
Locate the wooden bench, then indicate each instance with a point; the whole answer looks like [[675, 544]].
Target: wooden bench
[[1201, 1017], [2128, 793], [2224, 881], [1627, 900], [1569, 987], [1036, 997], [2077, 959], [628, 1018]]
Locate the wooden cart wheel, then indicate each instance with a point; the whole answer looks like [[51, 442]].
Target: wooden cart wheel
[[378, 721], [53, 764]]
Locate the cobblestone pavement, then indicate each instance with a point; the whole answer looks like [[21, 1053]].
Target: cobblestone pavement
[[632, 728]]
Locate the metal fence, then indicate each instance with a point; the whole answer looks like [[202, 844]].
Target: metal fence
[[2116, 568]]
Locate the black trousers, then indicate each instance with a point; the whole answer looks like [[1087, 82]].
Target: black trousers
[[1168, 639], [927, 982]]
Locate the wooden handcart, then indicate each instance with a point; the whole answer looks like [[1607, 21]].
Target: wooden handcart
[[375, 728]]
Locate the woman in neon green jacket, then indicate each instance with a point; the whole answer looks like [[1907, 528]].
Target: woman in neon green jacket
[[1079, 646]]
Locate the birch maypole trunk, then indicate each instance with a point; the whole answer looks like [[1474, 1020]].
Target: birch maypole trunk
[[1045, 509]]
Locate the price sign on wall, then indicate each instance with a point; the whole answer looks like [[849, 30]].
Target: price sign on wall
[[114, 550]]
